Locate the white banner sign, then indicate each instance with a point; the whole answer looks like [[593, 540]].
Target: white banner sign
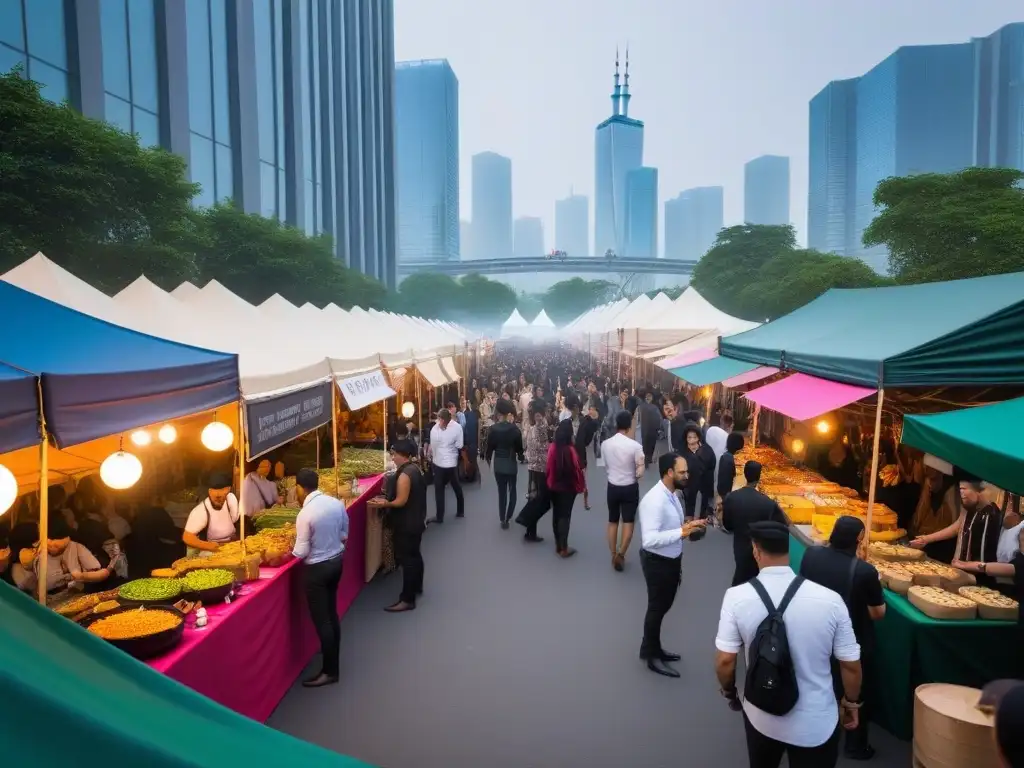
[[366, 389]]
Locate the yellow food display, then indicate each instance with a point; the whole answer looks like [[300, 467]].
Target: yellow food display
[[940, 604], [131, 625], [992, 604], [928, 573], [164, 573], [893, 575], [798, 509], [77, 604], [106, 605], [894, 551]]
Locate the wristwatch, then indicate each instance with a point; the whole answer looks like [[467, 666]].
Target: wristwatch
[[982, 567]]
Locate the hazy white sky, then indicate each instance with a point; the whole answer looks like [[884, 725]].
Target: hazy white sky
[[716, 83]]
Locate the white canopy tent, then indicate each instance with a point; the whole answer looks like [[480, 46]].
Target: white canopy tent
[[515, 327], [691, 312], [542, 321]]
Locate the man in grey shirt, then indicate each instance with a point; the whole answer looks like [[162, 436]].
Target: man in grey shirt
[[321, 530]]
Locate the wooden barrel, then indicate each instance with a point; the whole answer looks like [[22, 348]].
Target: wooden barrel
[[950, 731]]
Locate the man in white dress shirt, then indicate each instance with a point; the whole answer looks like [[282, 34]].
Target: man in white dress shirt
[[321, 530], [818, 627], [662, 531], [446, 443]]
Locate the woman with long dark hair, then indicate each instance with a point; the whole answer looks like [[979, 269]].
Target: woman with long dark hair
[[565, 482]]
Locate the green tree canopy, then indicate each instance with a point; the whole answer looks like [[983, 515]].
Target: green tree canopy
[[88, 196], [256, 257], [794, 278], [948, 226], [568, 299], [735, 259], [428, 294], [472, 300]]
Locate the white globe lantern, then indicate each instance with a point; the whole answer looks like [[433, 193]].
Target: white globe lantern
[[408, 409], [217, 436], [167, 434], [8, 489], [120, 470], [141, 438]]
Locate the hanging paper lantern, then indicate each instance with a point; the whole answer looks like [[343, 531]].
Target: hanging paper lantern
[[217, 436], [120, 470], [167, 434], [141, 438], [408, 409], [8, 489]]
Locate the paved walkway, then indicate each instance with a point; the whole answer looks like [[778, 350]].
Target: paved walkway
[[515, 658]]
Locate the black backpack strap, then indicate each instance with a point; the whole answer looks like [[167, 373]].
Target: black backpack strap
[[790, 591], [763, 594], [849, 581]]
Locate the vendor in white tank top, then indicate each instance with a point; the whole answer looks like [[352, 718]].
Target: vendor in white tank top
[[216, 515]]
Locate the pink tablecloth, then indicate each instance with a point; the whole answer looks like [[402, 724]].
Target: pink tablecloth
[[252, 650]]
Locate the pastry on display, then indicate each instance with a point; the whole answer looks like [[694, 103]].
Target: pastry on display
[[893, 575], [992, 604], [894, 552], [928, 573], [940, 604]]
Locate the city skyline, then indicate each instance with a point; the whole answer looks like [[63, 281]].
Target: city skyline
[[491, 214], [692, 64]]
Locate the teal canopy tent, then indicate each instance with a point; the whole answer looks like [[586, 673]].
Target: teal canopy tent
[[960, 332], [69, 697], [984, 440]]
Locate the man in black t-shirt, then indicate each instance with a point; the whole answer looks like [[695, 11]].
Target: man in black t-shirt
[[856, 581]]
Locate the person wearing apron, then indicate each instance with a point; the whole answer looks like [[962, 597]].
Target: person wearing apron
[[213, 520]]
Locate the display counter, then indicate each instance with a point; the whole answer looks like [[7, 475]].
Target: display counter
[[912, 649], [253, 649]]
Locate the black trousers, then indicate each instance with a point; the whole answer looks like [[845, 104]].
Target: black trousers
[[538, 506], [561, 517], [506, 495], [690, 502], [856, 740], [662, 575], [409, 558], [765, 752], [650, 442], [321, 582], [442, 477]]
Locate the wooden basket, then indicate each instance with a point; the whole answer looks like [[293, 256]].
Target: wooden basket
[[950, 731]]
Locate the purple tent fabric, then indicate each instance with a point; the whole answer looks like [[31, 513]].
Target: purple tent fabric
[[19, 409]]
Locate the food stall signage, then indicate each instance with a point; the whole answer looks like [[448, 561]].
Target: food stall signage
[[366, 389], [280, 419]]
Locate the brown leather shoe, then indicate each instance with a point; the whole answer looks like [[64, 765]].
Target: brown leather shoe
[[567, 553]]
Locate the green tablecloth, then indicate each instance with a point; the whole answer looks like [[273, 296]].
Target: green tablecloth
[[912, 649]]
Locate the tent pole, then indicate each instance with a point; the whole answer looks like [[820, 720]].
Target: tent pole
[[419, 409], [384, 406], [44, 499], [241, 472], [874, 457], [757, 413], [334, 433]]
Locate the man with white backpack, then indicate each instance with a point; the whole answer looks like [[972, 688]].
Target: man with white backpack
[[789, 705]]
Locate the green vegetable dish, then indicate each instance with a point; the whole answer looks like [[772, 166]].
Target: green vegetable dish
[[150, 589], [206, 578]]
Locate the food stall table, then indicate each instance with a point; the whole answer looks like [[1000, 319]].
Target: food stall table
[[253, 649], [912, 649]]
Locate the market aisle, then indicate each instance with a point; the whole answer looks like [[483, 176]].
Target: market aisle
[[517, 659]]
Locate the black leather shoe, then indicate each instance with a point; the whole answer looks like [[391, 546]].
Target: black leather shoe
[[666, 656], [661, 668], [320, 681], [533, 539], [504, 525], [460, 514]]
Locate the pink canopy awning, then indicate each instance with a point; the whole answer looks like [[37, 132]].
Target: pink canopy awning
[[688, 358], [763, 372], [803, 397]]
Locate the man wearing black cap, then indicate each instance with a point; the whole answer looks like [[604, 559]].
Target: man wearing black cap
[[741, 508], [817, 625], [662, 531], [212, 521], [406, 516]]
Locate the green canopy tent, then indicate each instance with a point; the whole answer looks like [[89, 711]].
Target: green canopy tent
[[960, 332], [984, 440], [69, 697]]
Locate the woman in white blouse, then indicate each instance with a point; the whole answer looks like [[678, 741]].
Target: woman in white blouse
[[260, 491]]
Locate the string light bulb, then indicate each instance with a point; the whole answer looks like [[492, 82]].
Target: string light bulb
[[797, 446], [823, 427], [217, 436], [408, 409], [167, 434], [120, 470], [141, 438]]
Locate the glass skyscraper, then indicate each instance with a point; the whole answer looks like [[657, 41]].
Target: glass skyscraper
[[427, 157], [492, 206], [528, 237], [832, 155], [619, 149], [924, 109], [766, 190], [572, 225], [692, 222], [285, 107], [642, 214]]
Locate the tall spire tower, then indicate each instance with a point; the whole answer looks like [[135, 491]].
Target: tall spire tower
[[617, 93], [624, 98]]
